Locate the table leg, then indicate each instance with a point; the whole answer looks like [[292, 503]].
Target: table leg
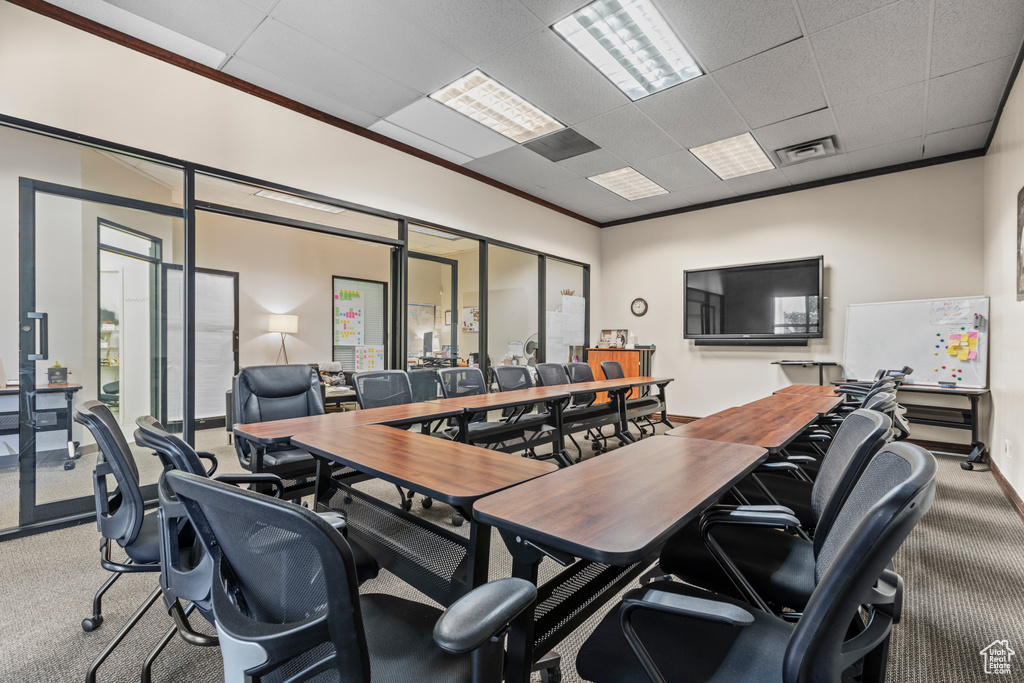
[[479, 552], [978, 448], [560, 454], [620, 405], [521, 632], [664, 405]]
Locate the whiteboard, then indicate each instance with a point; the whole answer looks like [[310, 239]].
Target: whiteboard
[[917, 333]]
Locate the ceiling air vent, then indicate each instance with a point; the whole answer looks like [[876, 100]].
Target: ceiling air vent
[[564, 144], [805, 151]]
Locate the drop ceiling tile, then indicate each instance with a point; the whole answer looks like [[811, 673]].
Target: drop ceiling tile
[[521, 165], [222, 25], [712, 192], [886, 117], [677, 171], [967, 97], [294, 56], [358, 28], [550, 74], [561, 145], [758, 182], [721, 32], [444, 125], [971, 32], [819, 169], [774, 85], [251, 73], [813, 126], [478, 29], [694, 113], [894, 153], [819, 14], [873, 53], [593, 163], [261, 5], [551, 11], [580, 195], [956, 140], [385, 127], [628, 134]]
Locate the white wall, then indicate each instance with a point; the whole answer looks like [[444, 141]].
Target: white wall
[[1004, 178], [911, 235], [54, 74]]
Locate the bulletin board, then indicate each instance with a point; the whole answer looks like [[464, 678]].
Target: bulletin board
[[359, 329], [941, 339]]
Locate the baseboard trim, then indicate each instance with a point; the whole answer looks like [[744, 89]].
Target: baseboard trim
[[681, 419], [942, 446], [1011, 495]]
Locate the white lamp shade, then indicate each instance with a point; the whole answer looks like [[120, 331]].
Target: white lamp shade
[[284, 323]]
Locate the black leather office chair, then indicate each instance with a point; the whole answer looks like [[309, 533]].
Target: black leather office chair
[[755, 547], [679, 633], [287, 608], [276, 392], [639, 408], [120, 517]]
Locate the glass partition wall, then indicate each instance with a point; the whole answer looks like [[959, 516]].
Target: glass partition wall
[[150, 281]]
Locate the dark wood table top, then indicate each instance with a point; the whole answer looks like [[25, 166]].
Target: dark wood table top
[[613, 384], [279, 431], [797, 402], [451, 472], [771, 429], [506, 399], [809, 390], [41, 389], [619, 507]]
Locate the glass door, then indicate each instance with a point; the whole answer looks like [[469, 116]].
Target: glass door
[[91, 327], [432, 340]]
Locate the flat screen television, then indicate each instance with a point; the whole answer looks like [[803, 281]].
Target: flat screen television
[[776, 303]]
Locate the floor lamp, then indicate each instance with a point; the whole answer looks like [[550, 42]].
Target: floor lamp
[[285, 324]]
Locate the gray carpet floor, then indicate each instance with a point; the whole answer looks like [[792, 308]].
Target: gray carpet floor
[[962, 567]]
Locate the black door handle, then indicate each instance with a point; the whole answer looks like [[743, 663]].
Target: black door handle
[[44, 336]]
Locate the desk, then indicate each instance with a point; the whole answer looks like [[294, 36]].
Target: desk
[[822, 405], [591, 512], [43, 419], [809, 390], [281, 431], [451, 472], [769, 429]]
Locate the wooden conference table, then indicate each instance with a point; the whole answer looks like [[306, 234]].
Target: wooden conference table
[[809, 390], [613, 513]]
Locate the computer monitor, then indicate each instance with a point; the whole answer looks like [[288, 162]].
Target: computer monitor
[[428, 343]]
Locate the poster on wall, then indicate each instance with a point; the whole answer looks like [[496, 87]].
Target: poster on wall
[[348, 317], [1020, 247], [471, 319], [369, 358]]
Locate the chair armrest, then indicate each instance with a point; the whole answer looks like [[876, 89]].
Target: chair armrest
[[482, 614], [206, 455], [806, 459], [683, 605], [253, 478], [775, 516]]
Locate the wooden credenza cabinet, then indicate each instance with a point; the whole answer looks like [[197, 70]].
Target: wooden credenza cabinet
[[634, 362]]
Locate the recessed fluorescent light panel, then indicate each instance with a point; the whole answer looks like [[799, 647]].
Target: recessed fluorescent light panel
[[734, 157], [630, 43], [433, 233], [483, 99], [299, 201], [628, 183]]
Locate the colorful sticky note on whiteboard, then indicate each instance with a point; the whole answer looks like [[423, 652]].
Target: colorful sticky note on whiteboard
[[954, 338], [951, 350], [962, 354], [972, 354], [973, 342], [972, 335]]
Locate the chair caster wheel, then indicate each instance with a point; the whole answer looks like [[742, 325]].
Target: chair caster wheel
[[457, 520], [427, 502], [347, 500], [407, 505], [69, 465], [552, 675], [90, 624], [595, 446], [967, 465]]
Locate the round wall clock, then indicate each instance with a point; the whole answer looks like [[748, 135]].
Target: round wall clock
[[638, 307]]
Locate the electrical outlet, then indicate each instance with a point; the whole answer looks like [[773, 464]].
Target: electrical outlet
[[1007, 449]]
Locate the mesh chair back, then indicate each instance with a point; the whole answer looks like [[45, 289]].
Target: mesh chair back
[[612, 369], [551, 375], [581, 372], [895, 491], [382, 388], [125, 506], [172, 451], [275, 566], [456, 382], [861, 435], [513, 378], [424, 384]]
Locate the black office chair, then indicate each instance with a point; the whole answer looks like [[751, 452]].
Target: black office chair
[[582, 372], [120, 517], [755, 549], [639, 408], [423, 382], [578, 418], [287, 608], [275, 392], [513, 378], [674, 632], [111, 394]]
